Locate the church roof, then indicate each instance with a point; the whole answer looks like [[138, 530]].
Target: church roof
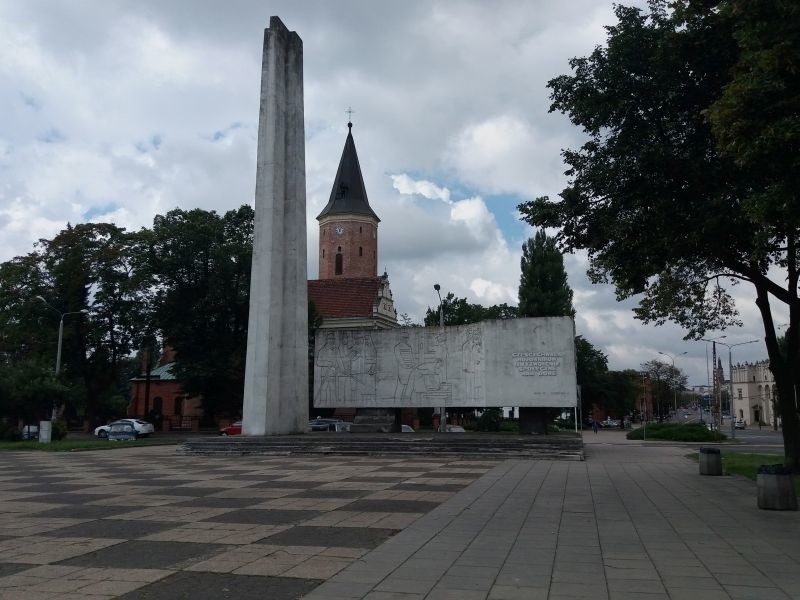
[[160, 373], [347, 297], [348, 196]]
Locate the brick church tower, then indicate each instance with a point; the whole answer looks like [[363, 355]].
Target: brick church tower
[[348, 227], [349, 293]]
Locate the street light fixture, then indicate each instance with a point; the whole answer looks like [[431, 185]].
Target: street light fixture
[[730, 381], [442, 409], [60, 337], [674, 389]]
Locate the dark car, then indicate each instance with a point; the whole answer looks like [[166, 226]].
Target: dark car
[[121, 431], [320, 424]]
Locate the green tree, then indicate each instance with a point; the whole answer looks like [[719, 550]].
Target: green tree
[[86, 267], [663, 213], [200, 267], [667, 382], [458, 311], [620, 390], [756, 120], [543, 287], [543, 292], [591, 369], [28, 389]]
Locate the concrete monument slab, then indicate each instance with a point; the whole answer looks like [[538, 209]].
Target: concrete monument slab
[[514, 362]]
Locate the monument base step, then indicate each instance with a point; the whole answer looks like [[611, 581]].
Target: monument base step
[[477, 446]]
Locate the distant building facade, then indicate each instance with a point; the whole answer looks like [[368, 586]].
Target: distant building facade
[[160, 399], [754, 393]]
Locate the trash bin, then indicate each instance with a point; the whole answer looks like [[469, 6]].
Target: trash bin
[[710, 461], [775, 486]]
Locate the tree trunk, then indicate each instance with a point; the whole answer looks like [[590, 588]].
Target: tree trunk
[[786, 379]]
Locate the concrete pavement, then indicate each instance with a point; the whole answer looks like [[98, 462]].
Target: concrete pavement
[[632, 521]]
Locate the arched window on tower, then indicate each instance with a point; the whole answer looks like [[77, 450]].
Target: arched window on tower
[[323, 253], [338, 268], [360, 251]]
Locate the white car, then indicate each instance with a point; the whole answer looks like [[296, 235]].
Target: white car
[[142, 428]]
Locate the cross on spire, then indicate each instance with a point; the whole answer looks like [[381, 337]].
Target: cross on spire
[[349, 112]]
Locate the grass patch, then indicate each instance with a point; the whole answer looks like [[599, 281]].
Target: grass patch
[[73, 445], [676, 432], [747, 465]]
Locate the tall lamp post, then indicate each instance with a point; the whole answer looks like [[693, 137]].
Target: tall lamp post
[[60, 338], [442, 409], [730, 380], [674, 389]]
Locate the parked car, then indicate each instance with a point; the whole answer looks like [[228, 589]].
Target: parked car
[[121, 431], [739, 424], [406, 429], [30, 432], [320, 424], [234, 428], [142, 428], [455, 429]]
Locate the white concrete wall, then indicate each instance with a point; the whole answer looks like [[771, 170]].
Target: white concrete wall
[[276, 374], [514, 362]]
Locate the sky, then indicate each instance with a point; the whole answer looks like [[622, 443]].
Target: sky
[[116, 111]]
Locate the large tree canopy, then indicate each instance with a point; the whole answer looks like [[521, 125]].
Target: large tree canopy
[[665, 209]]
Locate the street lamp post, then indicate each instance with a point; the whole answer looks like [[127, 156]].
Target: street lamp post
[[60, 339], [730, 380], [442, 409], [675, 388]]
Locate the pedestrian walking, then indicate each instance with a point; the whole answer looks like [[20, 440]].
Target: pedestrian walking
[[594, 425]]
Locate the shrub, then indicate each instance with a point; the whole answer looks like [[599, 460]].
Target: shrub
[[489, 420], [59, 431], [509, 425], [677, 432], [8, 432], [774, 470]]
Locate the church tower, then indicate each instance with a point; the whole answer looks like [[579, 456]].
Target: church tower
[[348, 227]]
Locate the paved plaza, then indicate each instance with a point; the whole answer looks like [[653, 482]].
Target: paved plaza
[[632, 521]]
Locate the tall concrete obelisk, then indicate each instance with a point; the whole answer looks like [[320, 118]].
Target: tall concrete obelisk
[[276, 374]]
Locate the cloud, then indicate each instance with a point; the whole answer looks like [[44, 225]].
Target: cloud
[[405, 185], [155, 105]]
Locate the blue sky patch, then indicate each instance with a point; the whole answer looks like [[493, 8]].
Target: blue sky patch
[[96, 211]]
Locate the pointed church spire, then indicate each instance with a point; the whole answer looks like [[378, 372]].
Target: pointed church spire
[[349, 195]]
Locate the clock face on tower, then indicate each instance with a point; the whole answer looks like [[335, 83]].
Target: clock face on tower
[[339, 230]]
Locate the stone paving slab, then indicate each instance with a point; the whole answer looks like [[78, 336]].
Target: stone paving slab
[[634, 521], [100, 525]]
